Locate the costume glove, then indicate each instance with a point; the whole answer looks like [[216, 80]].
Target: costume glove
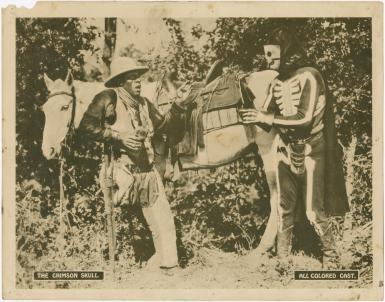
[[253, 116]]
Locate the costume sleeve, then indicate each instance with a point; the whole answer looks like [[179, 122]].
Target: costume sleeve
[[172, 123], [306, 103], [98, 115]]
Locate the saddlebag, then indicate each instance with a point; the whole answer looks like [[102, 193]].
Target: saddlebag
[[215, 134]]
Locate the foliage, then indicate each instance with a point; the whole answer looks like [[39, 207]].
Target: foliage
[[49, 46], [43, 45], [224, 208], [189, 64]]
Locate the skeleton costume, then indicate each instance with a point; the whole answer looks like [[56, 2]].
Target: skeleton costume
[[135, 177], [309, 160]]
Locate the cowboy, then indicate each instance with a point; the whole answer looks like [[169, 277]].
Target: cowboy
[[309, 156], [127, 122]]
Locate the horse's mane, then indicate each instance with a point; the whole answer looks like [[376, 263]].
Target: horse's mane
[[85, 91]]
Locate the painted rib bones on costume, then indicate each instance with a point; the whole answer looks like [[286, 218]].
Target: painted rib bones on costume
[[222, 144]]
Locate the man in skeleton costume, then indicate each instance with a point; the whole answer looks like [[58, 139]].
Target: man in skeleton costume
[[127, 122], [309, 157]]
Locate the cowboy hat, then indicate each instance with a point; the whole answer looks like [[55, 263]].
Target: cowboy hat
[[123, 68]]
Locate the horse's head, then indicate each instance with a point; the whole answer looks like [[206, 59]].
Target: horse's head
[[59, 114], [165, 91], [181, 93], [186, 93]]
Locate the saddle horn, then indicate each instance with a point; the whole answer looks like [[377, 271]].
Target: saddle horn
[[215, 71]]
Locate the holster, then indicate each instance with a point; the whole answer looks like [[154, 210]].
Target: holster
[[297, 157]]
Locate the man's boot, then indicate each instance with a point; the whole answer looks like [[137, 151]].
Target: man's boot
[[330, 258], [161, 222], [284, 242], [284, 263]]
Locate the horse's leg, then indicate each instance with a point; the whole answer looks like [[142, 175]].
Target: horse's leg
[[267, 148]]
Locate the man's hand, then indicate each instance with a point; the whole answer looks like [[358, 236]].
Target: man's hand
[[131, 141]]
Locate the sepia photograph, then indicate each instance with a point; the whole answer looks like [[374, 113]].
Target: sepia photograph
[[192, 146]]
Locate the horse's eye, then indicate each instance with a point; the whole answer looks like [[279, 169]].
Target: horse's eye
[[269, 54], [65, 107]]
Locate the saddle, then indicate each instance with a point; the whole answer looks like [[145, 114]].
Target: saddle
[[215, 107], [215, 134]]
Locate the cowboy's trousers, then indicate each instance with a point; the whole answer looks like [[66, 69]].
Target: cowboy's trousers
[[161, 223]]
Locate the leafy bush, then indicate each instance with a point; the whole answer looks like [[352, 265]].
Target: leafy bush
[[223, 208]]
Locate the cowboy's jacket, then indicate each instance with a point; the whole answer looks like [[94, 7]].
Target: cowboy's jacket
[[99, 118]]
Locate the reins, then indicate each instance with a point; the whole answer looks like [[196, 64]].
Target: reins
[[65, 145], [159, 89]]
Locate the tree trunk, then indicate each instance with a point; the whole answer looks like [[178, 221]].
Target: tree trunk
[[349, 160], [109, 44], [349, 154]]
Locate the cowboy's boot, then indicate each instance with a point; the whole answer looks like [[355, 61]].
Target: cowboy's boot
[[161, 222], [284, 243], [330, 258]]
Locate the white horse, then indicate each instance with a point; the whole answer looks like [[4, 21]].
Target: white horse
[[68, 100]]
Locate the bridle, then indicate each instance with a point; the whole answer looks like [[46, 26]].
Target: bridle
[[159, 89], [65, 145], [71, 122]]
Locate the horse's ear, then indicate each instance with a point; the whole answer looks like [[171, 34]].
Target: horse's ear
[[69, 78], [169, 81], [48, 81]]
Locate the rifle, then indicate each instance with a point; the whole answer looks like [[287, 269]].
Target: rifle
[[108, 204]]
